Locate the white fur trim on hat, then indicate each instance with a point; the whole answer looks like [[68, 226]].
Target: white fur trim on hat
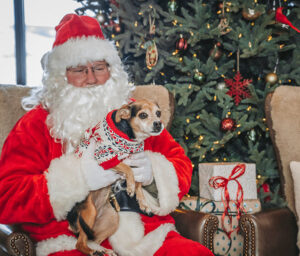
[[166, 181], [79, 51], [66, 185], [129, 239]]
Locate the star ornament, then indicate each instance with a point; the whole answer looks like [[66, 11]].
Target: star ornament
[[238, 88]]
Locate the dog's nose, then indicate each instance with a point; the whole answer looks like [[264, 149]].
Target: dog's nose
[[157, 125]]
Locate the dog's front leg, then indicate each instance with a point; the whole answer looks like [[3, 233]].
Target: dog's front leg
[[125, 169], [141, 198]]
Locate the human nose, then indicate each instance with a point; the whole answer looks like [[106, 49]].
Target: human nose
[[91, 78]]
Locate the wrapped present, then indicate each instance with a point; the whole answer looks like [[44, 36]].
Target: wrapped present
[[223, 244], [220, 180]]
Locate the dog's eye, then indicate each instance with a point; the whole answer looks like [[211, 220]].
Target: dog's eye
[[143, 115], [158, 113]]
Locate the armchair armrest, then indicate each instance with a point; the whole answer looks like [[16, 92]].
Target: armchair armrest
[[13, 241], [197, 226], [272, 232]]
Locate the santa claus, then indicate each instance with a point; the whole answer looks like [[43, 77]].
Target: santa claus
[[41, 178]]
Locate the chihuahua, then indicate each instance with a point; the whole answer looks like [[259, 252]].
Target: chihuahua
[[96, 218]]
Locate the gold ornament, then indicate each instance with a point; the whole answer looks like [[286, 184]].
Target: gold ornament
[[271, 78], [151, 55]]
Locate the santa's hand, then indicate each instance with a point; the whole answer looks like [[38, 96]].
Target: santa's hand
[[141, 167], [96, 177]]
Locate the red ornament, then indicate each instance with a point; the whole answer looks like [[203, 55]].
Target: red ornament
[[238, 88], [228, 124], [181, 44], [266, 189]]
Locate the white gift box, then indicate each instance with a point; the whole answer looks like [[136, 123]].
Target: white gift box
[[247, 180]]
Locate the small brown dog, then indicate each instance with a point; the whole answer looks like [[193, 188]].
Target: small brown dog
[[96, 218]]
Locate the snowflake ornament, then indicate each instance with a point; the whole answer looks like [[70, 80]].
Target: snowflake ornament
[[238, 88]]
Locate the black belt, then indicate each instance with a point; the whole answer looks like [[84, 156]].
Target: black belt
[[121, 201]]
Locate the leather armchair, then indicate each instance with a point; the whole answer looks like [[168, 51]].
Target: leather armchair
[[273, 232], [197, 226]]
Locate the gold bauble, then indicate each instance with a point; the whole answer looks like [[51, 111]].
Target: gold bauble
[[271, 78]]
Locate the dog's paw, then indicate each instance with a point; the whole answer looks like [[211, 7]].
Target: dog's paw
[[130, 190]]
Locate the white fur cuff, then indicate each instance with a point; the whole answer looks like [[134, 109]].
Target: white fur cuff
[[66, 185], [167, 185]]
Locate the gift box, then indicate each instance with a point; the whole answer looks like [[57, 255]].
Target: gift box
[[217, 178], [223, 243]]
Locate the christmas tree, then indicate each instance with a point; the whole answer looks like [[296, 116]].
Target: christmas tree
[[220, 59]]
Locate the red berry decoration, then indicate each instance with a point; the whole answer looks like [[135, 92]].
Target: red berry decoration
[[227, 124], [181, 44]]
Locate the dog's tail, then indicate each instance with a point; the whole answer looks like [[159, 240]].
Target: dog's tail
[[89, 232]]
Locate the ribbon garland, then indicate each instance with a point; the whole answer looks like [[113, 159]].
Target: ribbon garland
[[220, 182]]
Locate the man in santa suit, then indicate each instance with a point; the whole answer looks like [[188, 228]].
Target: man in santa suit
[[41, 178]]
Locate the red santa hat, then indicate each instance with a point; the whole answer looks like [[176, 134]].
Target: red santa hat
[[79, 39]]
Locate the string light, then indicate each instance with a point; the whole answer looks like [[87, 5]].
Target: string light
[[230, 54], [192, 33], [249, 108], [208, 26], [203, 156], [180, 59], [225, 159], [200, 138], [281, 46], [250, 45], [188, 120], [216, 68], [269, 38], [135, 23], [162, 73], [216, 142], [175, 52], [112, 36], [215, 98], [240, 35], [238, 132], [198, 116], [238, 125], [174, 22], [252, 23], [228, 113], [212, 149], [194, 55], [190, 86]]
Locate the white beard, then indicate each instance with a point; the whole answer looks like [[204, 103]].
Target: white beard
[[75, 109]]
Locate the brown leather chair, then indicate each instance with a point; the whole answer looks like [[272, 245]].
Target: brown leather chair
[[274, 232], [197, 226]]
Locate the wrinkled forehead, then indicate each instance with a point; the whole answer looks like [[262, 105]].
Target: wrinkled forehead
[[144, 105]]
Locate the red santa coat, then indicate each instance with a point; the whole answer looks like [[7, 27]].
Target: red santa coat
[[39, 185]]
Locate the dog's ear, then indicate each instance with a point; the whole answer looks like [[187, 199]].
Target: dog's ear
[[123, 113]]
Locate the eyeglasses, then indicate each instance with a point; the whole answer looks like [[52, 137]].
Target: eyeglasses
[[81, 71]]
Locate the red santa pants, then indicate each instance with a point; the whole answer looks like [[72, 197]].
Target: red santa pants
[[174, 245]]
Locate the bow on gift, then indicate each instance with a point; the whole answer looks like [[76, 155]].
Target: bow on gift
[[222, 182]]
